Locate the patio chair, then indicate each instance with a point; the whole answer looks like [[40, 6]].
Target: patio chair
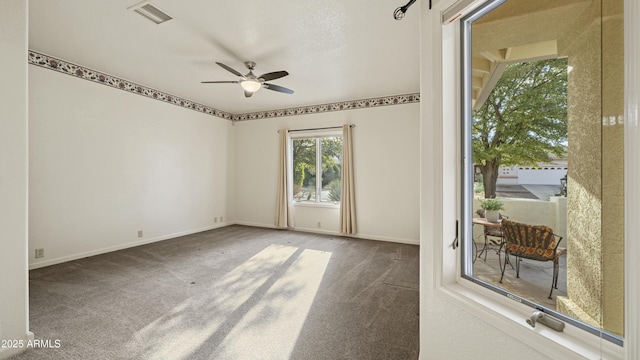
[[534, 242]]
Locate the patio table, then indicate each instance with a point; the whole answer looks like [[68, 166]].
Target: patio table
[[487, 223]]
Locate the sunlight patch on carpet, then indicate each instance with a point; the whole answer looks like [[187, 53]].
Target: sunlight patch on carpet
[[256, 309]]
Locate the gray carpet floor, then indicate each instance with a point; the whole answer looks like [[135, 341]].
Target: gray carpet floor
[[231, 293]]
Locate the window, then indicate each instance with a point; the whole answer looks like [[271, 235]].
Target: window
[[534, 97], [316, 169]]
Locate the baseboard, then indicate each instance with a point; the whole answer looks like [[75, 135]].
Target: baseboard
[[335, 233], [49, 262], [260, 225], [388, 239], [317, 231], [7, 352]]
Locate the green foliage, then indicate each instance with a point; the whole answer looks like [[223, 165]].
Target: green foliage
[[491, 204], [335, 190], [331, 159], [331, 147], [305, 171], [478, 188], [304, 164], [524, 119]]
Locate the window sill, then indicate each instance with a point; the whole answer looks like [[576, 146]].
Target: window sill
[[317, 205], [510, 316]]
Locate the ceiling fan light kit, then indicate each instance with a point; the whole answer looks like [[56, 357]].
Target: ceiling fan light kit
[[251, 83]]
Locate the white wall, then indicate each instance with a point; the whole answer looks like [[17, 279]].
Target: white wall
[[552, 213], [105, 163], [13, 173], [386, 166]]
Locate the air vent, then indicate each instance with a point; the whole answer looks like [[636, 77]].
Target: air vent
[[151, 12]]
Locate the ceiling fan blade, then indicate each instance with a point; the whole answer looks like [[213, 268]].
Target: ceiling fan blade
[[219, 82], [247, 94], [278, 88], [229, 69], [273, 75]]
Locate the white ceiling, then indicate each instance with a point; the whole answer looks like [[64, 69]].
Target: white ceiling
[[333, 50]]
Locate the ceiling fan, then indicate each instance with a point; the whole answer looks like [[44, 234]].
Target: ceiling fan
[[251, 83]]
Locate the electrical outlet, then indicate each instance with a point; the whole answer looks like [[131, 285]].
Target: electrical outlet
[[39, 253], [221, 218], [319, 224], [139, 233], [215, 219]]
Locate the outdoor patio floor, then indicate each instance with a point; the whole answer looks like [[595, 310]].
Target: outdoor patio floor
[[535, 277]]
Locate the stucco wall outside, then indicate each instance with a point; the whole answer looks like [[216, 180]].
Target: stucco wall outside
[[613, 166], [535, 212], [584, 252], [595, 156]]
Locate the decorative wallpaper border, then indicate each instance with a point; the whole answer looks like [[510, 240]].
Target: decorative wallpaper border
[[68, 68], [49, 62], [339, 106]]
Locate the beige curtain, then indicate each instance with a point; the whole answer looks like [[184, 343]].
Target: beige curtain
[[284, 210], [347, 200]]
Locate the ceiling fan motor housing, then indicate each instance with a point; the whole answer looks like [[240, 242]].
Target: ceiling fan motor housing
[[251, 83]]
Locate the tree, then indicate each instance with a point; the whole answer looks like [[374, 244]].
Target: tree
[[305, 170], [523, 121], [331, 159], [304, 159]]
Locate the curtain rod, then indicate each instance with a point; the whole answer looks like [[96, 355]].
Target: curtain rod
[[322, 128]]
